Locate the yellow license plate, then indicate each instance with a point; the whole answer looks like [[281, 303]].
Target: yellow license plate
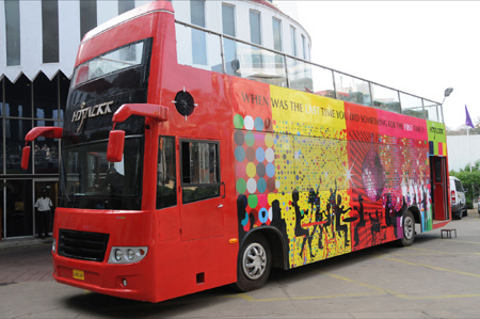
[[78, 274]]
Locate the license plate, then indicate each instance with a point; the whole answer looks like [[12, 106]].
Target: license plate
[[78, 274]]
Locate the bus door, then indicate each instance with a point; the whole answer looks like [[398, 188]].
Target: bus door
[[439, 186], [201, 210], [167, 188]]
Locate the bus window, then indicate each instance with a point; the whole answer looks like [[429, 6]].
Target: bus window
[[89, 180], [116, 60], [200, 170], [166, 173]]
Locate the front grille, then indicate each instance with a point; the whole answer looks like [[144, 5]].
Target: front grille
[[82, 245]]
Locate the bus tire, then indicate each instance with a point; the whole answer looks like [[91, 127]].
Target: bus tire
[[254, 263], [408, 223]]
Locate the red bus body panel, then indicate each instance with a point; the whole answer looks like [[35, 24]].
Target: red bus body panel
[[186, 254]]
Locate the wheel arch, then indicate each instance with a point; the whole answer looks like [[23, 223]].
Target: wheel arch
[[278, 245], [416, 214]]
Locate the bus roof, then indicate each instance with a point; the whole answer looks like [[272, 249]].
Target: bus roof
[[154, 6]]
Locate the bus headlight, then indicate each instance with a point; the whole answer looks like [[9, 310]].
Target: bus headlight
[[127, 255], [118, 255]]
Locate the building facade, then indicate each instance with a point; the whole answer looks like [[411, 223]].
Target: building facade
[[460, 155], [38, 45]]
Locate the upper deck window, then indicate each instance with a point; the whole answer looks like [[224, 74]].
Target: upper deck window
[[113, 61]]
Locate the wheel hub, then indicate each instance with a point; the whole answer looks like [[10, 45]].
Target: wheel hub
[[254, 261]]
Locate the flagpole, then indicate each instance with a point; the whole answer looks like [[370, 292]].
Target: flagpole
[[468, 145], [468, 123]]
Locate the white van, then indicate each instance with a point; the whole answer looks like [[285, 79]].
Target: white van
[[457, 198]]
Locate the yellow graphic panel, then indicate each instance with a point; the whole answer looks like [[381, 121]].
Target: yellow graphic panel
[[312, 182], [300, 113], [305, 163], [317, 224]]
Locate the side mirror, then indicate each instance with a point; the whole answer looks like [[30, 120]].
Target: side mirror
[[116, 144], [25, 157]]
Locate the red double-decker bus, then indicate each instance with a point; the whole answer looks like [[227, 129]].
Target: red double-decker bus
[[177, 178]]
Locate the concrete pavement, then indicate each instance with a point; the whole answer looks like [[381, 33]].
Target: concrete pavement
[[434, 278]]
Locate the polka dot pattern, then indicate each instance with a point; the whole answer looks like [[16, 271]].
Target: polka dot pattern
[[254, 166], [254, 155]]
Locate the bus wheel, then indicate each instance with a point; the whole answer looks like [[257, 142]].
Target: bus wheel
[[408, 229], [254, 263]]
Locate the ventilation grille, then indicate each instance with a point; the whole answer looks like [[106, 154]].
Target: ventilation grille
[[82, 245]]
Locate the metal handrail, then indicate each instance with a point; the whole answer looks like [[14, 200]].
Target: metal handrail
[[334, 71]]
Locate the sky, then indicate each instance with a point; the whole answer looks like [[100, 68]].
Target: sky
[[419, 47]]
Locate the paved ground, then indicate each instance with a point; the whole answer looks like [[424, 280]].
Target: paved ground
[[30, 264], [434, 278]]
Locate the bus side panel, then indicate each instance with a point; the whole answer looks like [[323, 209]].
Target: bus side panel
[[391, 172], [192, 266], [205, 257], [343, 174]]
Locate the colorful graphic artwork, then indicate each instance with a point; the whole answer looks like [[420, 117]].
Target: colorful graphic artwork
[[331, 176]]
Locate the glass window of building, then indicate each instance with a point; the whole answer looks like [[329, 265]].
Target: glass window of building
[[228, 19], [19, 208], [46, 151], [2, 89], [199, 42], [50, 31], [18, 102], [277, 43], [197, 12], [229, 46], [2, 156], [125, 5], [293, 40], [304, 47], [255, 30], [12, 32], [88, 16], [15, 131], [64, 86], [1, 133], [45, 97], [277, 34], [2, 215]]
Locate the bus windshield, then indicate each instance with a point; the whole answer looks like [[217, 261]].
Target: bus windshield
[[88, 180], [116, 60]]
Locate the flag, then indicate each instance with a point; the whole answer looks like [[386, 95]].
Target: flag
[[468, 120]]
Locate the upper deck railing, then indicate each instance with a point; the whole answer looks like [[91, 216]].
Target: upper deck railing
[[212, 51]]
